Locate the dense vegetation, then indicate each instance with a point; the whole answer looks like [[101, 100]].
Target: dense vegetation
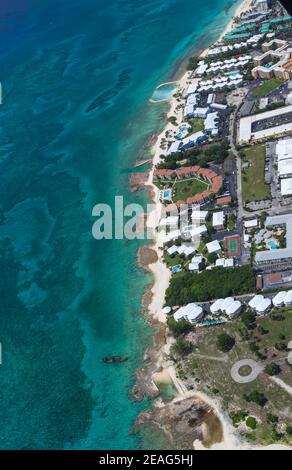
[[225, 342], [187, 287], [213, 153]]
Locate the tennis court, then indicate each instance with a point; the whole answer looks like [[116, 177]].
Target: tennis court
[[232, 246]]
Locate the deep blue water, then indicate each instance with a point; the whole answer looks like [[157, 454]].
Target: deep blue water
[[77, 77]]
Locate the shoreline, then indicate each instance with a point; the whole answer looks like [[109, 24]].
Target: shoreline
[[155, 365]]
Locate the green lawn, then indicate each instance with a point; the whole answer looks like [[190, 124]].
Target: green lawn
[[254, 187], [212, 372], [267, 87], [197, 124], [190, 187]]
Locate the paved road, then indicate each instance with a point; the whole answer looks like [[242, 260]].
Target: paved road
[[256, 369]]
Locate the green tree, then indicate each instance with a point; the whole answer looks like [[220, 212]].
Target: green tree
[[225, 342], [182, 347], [251, 422], [178, 328], [272, 369]]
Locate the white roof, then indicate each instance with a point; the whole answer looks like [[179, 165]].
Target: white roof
[[227, 302], [189, 250], [288, 297], [189, 110], [172, 250], [279, 298], [198, 230], [174, 147], [245, 132], [210, 121], [192, 88], [285, 167], [255, 301], [171, 221], [286, 186], [213, 246], [201, 69], [220, 262], [218, 219], [229, 263], [216, 307], [189, 312], [251, 223], [201, 111], [199, 215], [194, 267], [233, 308], [284, 149], [192, 98], [264, 305], [166, 310], [197, 259]]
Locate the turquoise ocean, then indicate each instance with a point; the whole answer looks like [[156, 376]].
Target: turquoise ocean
[[76, 80]]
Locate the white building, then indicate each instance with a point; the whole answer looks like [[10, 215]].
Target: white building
[[191, 312], [211, 123], [279, 299], [202, 67], [260, 304], [233, 309], [261, 5], [286, 187], [225, 262], [285, 168], [264, 306], [288, 298], [255, 301], [194, 267], [201, 112], [226, 304], [199, 215], [172, 250], [171, 221], [218, 220], [215, 308], [248, 224], [213, 247]]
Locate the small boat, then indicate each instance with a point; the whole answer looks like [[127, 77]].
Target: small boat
[[114, 359]]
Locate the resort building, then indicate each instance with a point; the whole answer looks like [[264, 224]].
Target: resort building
[[281, 255], [276, 61], [225, 262], [201, 112], [192, 313], [213, 247], [261, 5], [246, 125], [260, 304], [171, 221], [215, 308], [202, 67], [214, 181], [211, 123], [249, 224], [198, 215], [233, 309], [279, 299], [218, 220], [286, 187]]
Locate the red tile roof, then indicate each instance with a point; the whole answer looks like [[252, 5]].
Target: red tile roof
[[224, 200]]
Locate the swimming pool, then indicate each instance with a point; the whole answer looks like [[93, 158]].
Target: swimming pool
[[164, 92], [273, 245]]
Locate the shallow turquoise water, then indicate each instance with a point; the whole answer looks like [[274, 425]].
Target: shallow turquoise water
[[164, 92], [77, 78]]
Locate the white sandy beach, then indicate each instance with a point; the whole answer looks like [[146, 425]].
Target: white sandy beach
[[162, 276]]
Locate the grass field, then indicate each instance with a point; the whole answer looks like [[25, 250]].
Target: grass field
[[197, 124], [267, 87], [254, 187], [212, 372], [190, 187], [232, 246]]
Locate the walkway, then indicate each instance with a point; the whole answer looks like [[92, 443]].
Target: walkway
[[256, 369]]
